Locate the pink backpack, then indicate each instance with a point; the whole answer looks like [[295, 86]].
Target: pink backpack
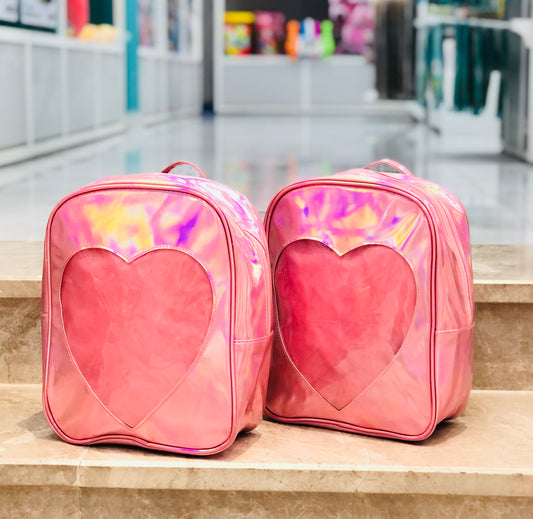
[[373, 285], [157, 317]]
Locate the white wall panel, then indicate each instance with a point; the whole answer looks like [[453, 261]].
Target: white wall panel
[[47, 111], [148, 85], [81, 90], [174, 86], [163, 93], [260, 84], [12, 92], [112, 88], [340, 84]]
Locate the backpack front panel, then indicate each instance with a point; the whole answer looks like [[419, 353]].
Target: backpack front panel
[[138, 300], [353, 276]]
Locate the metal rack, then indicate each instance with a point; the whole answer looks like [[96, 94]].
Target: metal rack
[[517, 120]]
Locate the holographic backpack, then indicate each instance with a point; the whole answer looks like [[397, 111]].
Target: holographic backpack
[[156, 319], [374, 298]]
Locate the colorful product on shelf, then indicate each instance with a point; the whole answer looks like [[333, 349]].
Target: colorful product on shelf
[[77, 16], [354, 26], [310, 42], [146, 22], [291, 41], [328, 39], [104, 33], [309, 39], [238, 32], [270, 32]]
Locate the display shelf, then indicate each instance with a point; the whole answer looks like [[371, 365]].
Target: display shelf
[[171, 82], [521, 26], [517, 135], [430, 20], [282, 59], [256, 84], [47, 39], [61, 91]]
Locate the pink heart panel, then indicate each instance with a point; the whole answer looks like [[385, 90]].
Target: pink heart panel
[[135, 328], [344, 317]]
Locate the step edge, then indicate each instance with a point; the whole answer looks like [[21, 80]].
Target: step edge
[[485, 291], [375, 480]]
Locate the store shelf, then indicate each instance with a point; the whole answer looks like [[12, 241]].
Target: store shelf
[[150, 52], [281, 59], [61, 91], [277, 84], [432, 20], [46, 39], [517, 116], [521, 26], [171, 82]]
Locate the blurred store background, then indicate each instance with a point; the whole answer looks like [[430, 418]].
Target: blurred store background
[[264, 92]]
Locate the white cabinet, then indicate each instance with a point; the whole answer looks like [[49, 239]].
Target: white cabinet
[[171, 82], [256, 84], [58, 91]]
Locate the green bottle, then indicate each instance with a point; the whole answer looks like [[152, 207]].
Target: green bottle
[[328, 40]]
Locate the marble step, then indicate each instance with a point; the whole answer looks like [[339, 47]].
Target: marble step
[[479, 465], [503, 290]]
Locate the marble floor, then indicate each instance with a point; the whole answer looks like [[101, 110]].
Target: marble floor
[[259, 155]]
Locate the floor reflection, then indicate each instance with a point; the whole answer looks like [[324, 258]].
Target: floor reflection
[[260, 155]]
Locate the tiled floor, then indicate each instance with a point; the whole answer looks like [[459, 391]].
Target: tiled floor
[[259, 155]]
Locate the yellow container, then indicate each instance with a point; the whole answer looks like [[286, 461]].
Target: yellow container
[[238, 32], [246, 17]]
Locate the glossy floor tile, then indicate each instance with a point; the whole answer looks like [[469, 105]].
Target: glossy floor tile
[[259, 155]]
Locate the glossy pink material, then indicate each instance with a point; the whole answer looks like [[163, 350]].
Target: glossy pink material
[[156, 314], [374, 293], [369, 282]]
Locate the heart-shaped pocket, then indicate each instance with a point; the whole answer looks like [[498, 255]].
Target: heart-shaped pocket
[[134, 328], [344, 317]]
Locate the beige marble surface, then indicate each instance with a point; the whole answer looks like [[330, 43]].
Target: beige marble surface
[[20, 340], [486, 452], [503, 346], [21, 264], [502, 273], [118, 503], [154, 504]]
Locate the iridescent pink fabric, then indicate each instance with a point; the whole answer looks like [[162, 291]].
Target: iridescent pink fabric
[[374, 297], [157, 314]]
